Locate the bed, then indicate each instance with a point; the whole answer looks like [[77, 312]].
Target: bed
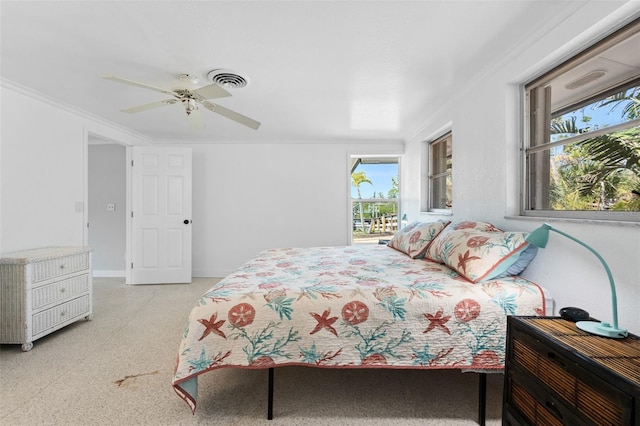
[[436, 297]]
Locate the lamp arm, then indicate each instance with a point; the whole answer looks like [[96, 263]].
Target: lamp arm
[[614, 299]]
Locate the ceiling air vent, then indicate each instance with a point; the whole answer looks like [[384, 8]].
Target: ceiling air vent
[[228, 79]]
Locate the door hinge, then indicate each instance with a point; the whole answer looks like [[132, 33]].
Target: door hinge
[[131, 265], [131, 213], [131, 163]]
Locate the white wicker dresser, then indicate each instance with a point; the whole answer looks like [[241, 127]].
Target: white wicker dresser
[[43, 290]]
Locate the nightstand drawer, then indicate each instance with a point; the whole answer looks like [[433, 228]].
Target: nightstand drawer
[[53, 317], [556, 373], [61, 266], [590, 398], [59, 291], [530, 407]]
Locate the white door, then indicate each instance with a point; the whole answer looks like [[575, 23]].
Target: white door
[[161, 215]]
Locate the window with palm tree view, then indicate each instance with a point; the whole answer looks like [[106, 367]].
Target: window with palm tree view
[[582, 155], [374, 199]]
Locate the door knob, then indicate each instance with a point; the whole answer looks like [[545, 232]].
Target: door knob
[[187, 221]]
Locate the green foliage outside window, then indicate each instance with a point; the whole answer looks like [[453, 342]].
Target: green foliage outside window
[[599, 173]]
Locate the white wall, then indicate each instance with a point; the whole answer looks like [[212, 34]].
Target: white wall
[[485, 121], [43, 174], [251, 197]]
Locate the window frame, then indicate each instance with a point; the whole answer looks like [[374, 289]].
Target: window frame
[[532, 181], [446, 172]]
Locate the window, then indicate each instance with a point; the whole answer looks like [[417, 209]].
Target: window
[[582, 139], [439, 177], [374, 198]]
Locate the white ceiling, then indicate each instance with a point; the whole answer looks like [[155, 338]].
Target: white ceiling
[[319, 70]]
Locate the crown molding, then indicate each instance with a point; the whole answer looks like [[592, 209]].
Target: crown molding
[[33, 94]]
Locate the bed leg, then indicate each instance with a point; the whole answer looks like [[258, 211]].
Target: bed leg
[[270, 396], [482, 398]]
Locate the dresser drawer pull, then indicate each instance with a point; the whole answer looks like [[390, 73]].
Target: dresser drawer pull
[[62, 266], [552, 356], [62, 290], [552, 407], [63, 313]]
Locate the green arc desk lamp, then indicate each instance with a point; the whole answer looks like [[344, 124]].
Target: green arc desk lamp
[[539, 238]]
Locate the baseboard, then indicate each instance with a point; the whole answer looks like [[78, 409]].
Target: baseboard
[[109, 274]]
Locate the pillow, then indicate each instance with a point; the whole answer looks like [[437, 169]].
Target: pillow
[[523, 258], [478, 255], [438, 254], [414, 239]]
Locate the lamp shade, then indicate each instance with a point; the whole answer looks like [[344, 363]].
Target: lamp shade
[[539, 237]]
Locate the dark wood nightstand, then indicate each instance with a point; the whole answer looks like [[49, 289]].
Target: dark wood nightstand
[[557, 374]]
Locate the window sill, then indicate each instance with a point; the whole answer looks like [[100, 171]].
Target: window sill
[[610, 222], [438, 212]]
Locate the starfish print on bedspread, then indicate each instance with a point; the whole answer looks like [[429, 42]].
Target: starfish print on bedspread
[[211, 326], [324, 322], [437, 321]]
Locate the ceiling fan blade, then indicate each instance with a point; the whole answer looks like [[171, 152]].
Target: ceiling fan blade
[[150, 106], [138, 84], [237, 117], [211, 91], [195, 120]]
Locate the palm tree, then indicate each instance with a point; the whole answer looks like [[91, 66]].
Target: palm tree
[[357, 179], [608, 166]]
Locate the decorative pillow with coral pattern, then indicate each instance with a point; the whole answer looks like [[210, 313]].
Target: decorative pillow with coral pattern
[[439, 253], [477, 254], [414, 239]]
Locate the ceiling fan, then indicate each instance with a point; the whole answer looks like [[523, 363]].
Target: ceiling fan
[[190, 99]]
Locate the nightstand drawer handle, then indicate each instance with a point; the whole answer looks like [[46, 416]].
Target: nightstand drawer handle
[[552, 356], [62, 266], [552, 407]]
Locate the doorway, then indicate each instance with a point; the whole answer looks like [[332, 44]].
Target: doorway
[[375, 202], [106, 206]]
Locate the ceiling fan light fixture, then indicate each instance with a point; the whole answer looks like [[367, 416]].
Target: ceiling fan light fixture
[[189, 105], [228, 79]]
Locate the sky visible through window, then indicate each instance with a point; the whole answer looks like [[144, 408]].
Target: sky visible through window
[[380, 175], [601, 116]]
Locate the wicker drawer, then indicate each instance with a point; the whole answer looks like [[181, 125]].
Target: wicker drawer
[[531, 407], [60, 314], [58, 267], [550, 379], [42, 290], [597, 401], [59, 291]]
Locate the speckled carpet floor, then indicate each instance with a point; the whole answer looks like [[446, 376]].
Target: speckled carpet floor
[[117, 369]]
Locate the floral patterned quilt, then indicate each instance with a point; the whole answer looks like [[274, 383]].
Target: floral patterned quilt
[[354, 306]]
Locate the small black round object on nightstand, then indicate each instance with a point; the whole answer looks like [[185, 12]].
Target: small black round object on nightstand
[[573, 314]]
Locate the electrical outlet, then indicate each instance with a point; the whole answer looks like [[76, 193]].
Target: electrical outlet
[[111, 207]]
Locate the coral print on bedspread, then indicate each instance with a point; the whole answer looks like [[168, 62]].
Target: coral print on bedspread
[[349, 307]]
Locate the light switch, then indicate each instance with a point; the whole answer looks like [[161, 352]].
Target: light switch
[[111, 207]]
